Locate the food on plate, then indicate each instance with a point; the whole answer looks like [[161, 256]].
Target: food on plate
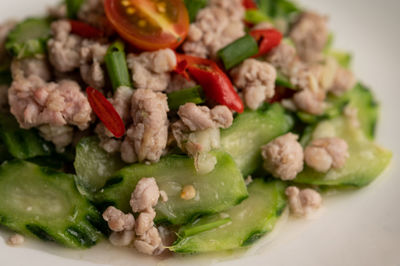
[[183, 126]]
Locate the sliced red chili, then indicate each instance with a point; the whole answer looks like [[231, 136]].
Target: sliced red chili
[[215, 83], [249, 4], [106, 112], [267, 40], [85, 30]]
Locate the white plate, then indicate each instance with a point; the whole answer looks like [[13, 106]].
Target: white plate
[[360, 228]]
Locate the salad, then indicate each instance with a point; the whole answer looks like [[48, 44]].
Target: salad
[[176, 126]]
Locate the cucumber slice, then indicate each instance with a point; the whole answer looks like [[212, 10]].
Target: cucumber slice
[[250, 220], [216, 191], [21, 143], [4, 154], [343, 58], [29, 38], [364, 101], [39, 202], [368, 108], [93, 165], [367, 160], [250, 131]]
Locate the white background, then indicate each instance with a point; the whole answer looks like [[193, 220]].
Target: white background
[[360, 228]]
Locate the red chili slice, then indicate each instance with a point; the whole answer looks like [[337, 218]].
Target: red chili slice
[[106, 112], [249, 4], [266, 39], [85, 30], [215, 83]]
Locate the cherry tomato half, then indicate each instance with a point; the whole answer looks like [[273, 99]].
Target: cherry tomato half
[[149, 24]]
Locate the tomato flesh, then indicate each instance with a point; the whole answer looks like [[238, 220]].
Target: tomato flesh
[[149, 24]]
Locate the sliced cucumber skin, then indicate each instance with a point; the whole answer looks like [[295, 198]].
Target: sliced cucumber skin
[[21, 143], [216, 191], [94, 166], [250, 131], [251, 219], [29, 38], [366, 162], [364, 101], [43, 203], [368, 108]]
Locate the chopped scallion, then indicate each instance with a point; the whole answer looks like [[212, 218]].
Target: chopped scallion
[[238, 51], [190, 95], [116, 66]]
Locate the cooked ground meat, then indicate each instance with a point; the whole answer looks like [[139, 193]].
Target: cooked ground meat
[[311, 97], [198, 118], [310, 34], [34, 103], [310, 102], [122, 239], [326, 153], [344, 81], [145, 222], [283, 157], [92, 12], [143, 199], [194, 143], [303, 202], [282, 57], [217, 25], [64, 47], [68, 52], [152, 70], [24, 68], [145, 196], [61, 136], [92, 57], [257, 80], [15, 240], [58, 11], [149, 242], [178, 82], [117, 220], [147, 137]]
